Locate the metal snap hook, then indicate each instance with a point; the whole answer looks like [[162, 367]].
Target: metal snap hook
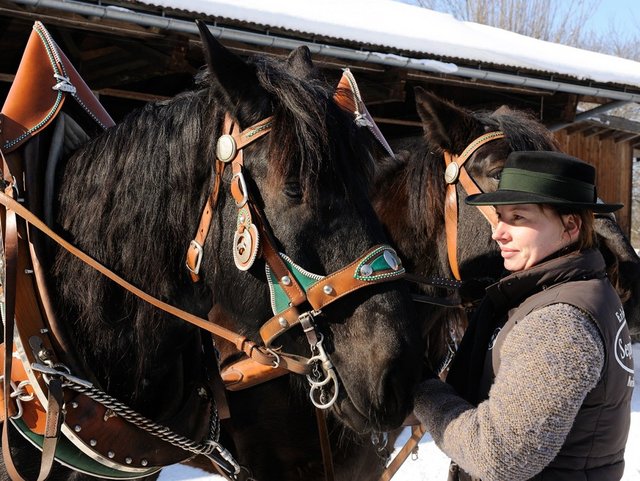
[[277, 360], [319, 393]]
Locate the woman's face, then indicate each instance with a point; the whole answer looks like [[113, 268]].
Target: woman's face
[[527, 233]]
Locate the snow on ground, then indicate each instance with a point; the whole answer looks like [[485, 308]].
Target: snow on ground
[[432, 464]]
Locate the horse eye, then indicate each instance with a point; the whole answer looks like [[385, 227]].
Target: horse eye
[[292, 190], [496, 174]]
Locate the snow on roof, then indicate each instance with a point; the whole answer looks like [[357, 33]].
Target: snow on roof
[[393, 25]]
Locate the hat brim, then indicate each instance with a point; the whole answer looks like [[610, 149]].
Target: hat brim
[[508, 197]]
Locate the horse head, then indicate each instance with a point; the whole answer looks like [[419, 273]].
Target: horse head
[[413, 199], [307, 181]]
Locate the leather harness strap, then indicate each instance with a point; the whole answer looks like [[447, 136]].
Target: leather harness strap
[[54, 412], [325, 445], [455, 171], [194, 252], [235, 142], [417, 432]]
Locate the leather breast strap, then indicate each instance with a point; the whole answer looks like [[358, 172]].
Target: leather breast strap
[[456, 172]]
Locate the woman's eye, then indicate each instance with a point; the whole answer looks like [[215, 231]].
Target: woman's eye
[[292, 190]]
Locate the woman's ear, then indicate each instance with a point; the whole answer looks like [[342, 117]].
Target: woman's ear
[[572, 224]]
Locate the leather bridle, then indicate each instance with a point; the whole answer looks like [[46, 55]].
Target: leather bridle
[[254, 239], [456, 172]]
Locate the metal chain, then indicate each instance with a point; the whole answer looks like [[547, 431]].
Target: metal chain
[[206, 448]]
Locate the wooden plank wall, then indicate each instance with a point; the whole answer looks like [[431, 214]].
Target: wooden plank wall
[[613, 161]]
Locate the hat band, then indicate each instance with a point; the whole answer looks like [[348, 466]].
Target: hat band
[[560, 187]]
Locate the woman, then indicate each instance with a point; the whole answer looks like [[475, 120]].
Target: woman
[[541, 385]]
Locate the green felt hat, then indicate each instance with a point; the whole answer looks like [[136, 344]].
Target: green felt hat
[[542, 177]]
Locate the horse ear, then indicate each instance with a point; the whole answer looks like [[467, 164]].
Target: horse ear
[[236, 78], [503, 110], [441, 121], [300, 62]]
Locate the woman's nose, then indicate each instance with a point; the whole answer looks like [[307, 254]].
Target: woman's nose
[[499, 232]]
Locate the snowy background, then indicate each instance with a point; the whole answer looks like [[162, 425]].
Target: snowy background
[[432, 464]]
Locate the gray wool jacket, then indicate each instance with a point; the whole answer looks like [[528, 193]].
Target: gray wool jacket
[[545, 365]]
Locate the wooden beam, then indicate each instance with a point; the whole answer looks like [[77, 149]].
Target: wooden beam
[[591, 131], [408, 123], [127, 94], [625, 137], [575, 128]]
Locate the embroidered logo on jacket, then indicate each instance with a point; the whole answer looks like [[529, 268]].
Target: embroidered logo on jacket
[[622, 347]]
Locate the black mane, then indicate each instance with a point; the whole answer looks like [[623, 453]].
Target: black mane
[[132, 199]]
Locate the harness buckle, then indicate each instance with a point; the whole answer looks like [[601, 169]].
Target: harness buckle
[[198, 250], [242, 188], [276, 360]]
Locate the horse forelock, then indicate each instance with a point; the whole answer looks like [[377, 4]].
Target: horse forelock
[[522, 130], [315, 142], [409, 197]]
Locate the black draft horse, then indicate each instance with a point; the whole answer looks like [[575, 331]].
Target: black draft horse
[[132, 198], [409, 197]]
